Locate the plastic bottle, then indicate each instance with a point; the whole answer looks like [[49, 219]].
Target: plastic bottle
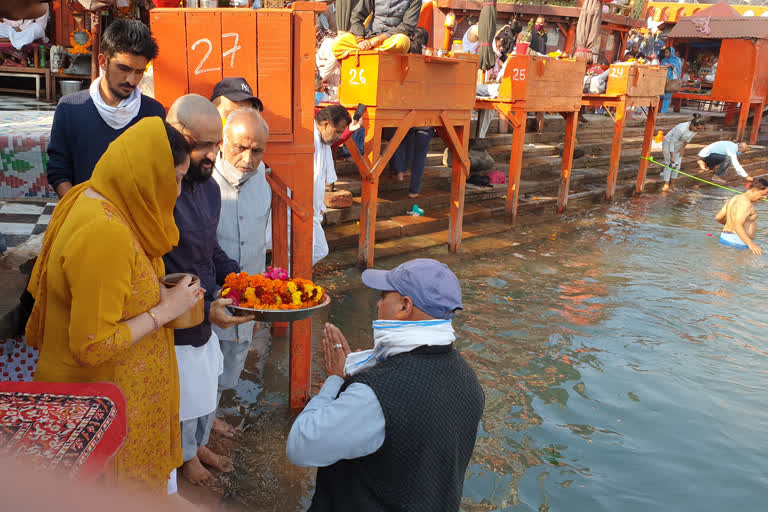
[[659, 137], [457, 46]]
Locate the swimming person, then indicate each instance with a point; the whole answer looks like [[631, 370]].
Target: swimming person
[[740, 218], [674, 146]]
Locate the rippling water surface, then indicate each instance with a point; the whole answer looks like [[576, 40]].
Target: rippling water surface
[[623, 355]]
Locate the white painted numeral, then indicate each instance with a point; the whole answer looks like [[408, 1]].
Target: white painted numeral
[[234, 49], [616, 72], [518, 74], [199, 69], [355, 77]]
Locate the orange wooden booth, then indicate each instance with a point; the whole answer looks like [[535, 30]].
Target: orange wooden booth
[[274, 50], [538, 84], [402, 92], [629, 86], [742, 73]]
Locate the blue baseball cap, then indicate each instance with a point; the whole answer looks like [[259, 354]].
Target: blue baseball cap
[[431, 285]]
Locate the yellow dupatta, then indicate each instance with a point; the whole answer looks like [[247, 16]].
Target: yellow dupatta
[[136, 175]]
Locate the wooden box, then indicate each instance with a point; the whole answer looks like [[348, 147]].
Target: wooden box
[[199, 47], [386, 80], [636, 80], [543, 83]]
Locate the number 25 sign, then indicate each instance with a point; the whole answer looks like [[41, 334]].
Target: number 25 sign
[[205, 42]]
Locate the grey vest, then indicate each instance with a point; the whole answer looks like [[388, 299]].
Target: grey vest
[[388, 14], [432, 404]]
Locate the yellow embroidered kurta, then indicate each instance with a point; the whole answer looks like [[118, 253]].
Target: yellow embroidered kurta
[[98, 277]]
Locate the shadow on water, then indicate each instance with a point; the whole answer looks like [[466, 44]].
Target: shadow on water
[[621, 352]]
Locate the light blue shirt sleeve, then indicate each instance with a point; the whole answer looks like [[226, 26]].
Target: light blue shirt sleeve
[[735, 162], [330, 429]]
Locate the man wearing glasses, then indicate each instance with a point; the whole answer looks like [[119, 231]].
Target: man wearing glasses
[[198, 353]]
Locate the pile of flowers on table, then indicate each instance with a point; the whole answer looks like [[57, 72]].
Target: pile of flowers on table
[[271, 290]]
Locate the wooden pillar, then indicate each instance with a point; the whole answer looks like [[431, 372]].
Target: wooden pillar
[[730, 113], [756, 118], [618, 133], [650, 126], [571, 120], [743, 116], [369, 199], [515, 164], [458, 186], [570, 39], [95, 43]]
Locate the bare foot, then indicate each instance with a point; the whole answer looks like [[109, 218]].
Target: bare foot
[[665, 187], [220, 462], [224, 428], [400, 176], [193, 471]]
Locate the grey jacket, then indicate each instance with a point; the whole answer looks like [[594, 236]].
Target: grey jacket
[[389, 17]]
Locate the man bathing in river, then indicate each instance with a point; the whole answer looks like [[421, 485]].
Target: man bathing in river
[[740, 218]]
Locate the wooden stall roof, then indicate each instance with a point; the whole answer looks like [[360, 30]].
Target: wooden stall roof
[[721, 28], [546, 10]]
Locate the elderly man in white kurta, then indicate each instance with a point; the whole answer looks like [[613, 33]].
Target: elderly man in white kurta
[[330, 125], [242, 233]]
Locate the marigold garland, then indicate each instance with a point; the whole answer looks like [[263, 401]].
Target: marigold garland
[[80, 48], [271, 290]]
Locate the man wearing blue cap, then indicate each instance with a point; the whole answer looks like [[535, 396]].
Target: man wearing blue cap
[[393, 428]]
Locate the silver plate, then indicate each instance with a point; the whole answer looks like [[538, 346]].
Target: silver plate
[[278, 315]]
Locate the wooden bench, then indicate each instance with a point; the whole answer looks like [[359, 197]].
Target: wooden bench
[[24, 72]]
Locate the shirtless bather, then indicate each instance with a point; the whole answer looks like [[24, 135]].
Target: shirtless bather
[[740, 218]]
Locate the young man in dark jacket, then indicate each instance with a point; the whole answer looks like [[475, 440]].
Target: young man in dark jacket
[[86, 122]]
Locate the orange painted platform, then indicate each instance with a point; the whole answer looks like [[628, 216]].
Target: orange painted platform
[[402, 92], [629, 86], [538, 84]]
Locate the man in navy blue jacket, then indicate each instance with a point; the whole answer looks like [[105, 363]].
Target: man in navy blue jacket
[[86, 122], [198, 252]]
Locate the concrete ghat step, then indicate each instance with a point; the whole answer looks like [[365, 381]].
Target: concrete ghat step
[[347, 235]]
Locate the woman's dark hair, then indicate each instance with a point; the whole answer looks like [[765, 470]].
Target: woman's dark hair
[[759, 184], [419, 40], [128, 36], [698, 120], [505, 40], [334, 114], [180, 148]]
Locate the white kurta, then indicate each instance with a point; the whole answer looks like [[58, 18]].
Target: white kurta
[[325, 173], [246, 201]]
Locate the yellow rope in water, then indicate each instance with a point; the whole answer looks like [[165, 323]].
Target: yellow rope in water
[[650, 159]]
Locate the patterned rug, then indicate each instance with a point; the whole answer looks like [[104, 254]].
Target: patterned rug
[[74, 429], [23, 142]]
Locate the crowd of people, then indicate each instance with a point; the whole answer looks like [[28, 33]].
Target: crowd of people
[[144, 194]]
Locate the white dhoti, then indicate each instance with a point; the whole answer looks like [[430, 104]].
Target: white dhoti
[[199, 370]]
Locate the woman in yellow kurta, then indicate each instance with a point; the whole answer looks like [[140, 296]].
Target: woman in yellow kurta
[[99, 305]]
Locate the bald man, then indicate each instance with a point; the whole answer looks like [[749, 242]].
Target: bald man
[[197, 348], [242, 233]]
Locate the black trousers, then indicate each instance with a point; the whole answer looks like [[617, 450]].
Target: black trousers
[[715, 160]]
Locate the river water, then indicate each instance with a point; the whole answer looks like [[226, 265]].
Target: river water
[[622, 352]]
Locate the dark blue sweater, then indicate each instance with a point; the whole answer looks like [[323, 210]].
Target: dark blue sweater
[[197, 217], [80, 136]]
